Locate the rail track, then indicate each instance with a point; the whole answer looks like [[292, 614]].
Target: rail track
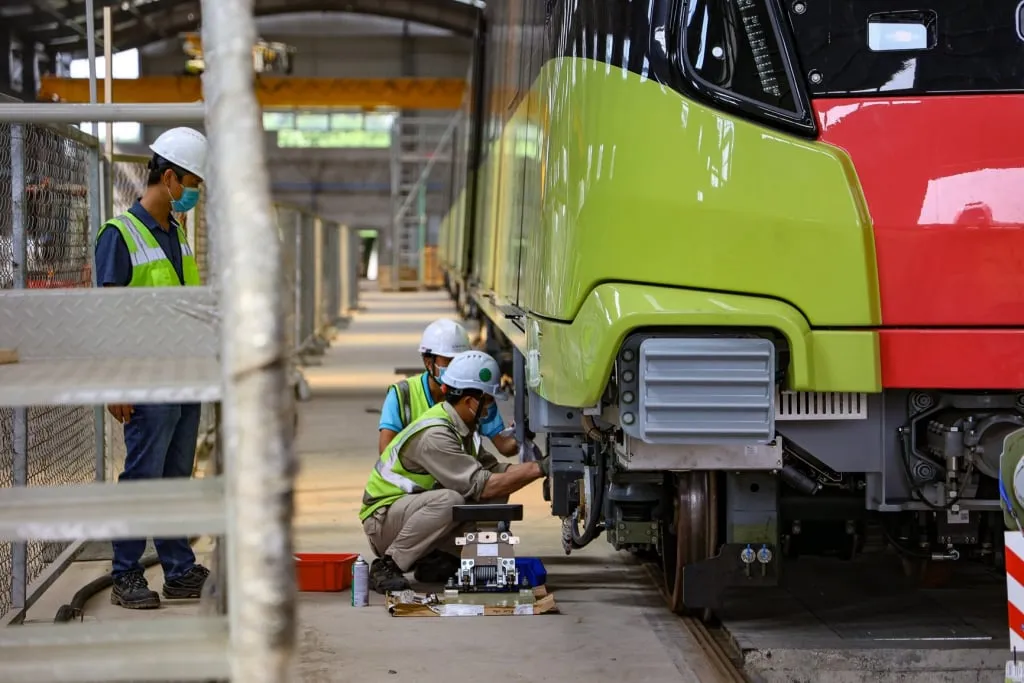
[[712, 640]]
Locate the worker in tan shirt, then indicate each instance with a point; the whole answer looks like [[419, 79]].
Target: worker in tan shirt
[[431, 466]]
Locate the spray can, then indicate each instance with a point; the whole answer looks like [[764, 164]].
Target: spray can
[[360, 583]]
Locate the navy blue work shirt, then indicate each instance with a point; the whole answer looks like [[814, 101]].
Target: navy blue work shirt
[[114, 261]]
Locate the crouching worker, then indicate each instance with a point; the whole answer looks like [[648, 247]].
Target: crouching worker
[[406, 401], [428, 468]]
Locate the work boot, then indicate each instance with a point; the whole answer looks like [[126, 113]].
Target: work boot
[[386, 576], [437, 567], [188, 586], [131, 590]]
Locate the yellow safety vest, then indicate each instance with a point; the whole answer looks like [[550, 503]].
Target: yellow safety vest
[[413, 401], [389, 479], [150, 265]]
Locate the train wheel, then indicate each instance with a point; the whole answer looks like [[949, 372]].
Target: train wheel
[[693, 534]]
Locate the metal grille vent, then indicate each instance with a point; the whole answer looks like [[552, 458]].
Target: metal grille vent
[[695, 390], [820, 405]]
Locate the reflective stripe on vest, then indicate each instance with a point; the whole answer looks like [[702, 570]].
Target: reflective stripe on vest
[[150, 265], [389, 480], [412, 399]]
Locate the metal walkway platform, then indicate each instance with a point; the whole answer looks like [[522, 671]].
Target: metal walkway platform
[[612, 625], [831, 622]]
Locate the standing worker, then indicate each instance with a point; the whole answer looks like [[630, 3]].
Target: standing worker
[[145, 247], [410, 398], [430, 467]]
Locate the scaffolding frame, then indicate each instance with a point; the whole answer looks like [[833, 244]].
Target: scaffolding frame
[[230, 347], [418, 144]]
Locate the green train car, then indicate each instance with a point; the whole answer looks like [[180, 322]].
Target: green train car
[[760, 266]]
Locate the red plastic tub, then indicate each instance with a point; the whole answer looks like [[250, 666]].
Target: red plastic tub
[[324, 572]]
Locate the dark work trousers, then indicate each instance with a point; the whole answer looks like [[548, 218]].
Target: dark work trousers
[[161, 444]]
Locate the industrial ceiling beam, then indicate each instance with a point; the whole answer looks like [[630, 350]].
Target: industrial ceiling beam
[[140, 25], [277, 92]]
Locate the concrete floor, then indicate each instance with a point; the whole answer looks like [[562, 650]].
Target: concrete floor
[[612, 623]]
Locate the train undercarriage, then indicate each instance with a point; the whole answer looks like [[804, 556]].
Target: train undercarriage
[[695, 457]]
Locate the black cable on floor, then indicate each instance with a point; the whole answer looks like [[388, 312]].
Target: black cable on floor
[[76, 608]]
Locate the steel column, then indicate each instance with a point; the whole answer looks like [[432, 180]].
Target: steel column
[[257, 402]]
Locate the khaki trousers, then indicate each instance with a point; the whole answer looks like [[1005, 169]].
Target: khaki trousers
[[414, 525]]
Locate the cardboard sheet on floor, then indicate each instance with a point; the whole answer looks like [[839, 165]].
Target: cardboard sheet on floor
[[544, 603]]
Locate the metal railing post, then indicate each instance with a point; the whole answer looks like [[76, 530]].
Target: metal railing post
[[318, 272], [19, 582], [96, 217], [421, 232], [353, 269], [258, 461], [299, 280]]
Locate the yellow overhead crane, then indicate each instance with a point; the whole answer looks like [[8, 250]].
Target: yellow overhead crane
[[276, 92]]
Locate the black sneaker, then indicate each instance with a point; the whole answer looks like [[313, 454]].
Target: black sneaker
[[437, 567], [131, 591], [386, 576], [187, 586]]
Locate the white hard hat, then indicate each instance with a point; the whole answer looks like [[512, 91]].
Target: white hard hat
[[183, 147], [445, 338], [474, 370]]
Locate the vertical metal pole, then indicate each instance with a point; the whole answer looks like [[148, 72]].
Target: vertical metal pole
[[394, 240], [344, 263], [19, 583], [299, 245], [353, 269], [318, 275], [108, 78], [90, 43], [421, 220], [259, 462], [95, 219]]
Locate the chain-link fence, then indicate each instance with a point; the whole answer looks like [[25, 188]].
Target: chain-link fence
[[64, 187], [44, 243], [322, 273]]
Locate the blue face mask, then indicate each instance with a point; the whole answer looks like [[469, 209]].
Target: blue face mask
[[189, 198]]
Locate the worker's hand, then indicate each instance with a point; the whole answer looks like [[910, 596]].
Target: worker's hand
[[528, 452], [507, 383], [122, 412], [511, 431]]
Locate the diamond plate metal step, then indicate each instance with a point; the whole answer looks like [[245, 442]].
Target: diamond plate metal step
[[131, 509], [91, 381], [115, 322], [112, 345], [177, 648]]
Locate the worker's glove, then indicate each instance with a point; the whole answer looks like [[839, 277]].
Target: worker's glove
[[545, 465], [528, 452], [511, 431]]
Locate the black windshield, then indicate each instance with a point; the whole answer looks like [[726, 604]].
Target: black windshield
[[896, 47]]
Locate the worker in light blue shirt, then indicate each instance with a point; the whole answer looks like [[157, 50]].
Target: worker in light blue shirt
[[408, 399]]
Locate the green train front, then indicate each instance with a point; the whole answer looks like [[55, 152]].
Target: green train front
[[755, 301]]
